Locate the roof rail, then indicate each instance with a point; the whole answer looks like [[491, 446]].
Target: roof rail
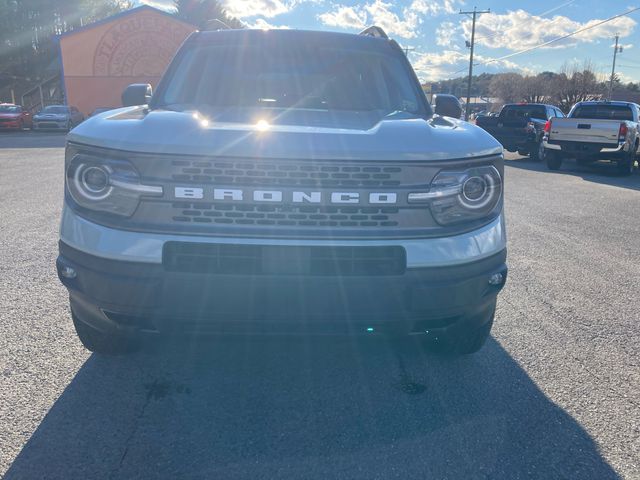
[[216, 24], [374, 31]]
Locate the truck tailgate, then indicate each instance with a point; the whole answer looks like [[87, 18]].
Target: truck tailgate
[[584, 130]]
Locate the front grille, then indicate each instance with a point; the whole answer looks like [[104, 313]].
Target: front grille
[[281, 173], [246, 215], [286, 260], [48, 125], [291, 216]]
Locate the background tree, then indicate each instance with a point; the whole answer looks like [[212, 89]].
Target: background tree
[[200, 12], [507, 87], [28, 29], [577, 84]]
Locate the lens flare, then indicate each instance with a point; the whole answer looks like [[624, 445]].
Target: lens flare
[[262, 125]]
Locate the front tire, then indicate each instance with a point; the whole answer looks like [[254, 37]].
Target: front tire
[[107, 343], [553, 160]]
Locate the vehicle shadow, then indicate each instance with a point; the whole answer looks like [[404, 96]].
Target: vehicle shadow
[[600, 172], [327, 408], [32, 139]]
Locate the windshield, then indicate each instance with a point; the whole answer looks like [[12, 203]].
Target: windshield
[[10, 109], [55, 109], [603, 112], [526, 111], [293, 77]]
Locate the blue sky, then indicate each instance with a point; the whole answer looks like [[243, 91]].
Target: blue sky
[[436, 33]]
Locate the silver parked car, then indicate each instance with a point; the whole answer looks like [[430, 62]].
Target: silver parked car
[[57, 117]]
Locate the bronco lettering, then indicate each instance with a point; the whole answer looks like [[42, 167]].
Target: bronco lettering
[[271, 196]]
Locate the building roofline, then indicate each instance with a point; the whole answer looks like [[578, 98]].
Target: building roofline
[[119, 15]]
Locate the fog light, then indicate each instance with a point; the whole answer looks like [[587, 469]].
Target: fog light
[[496, 279], [68, 272]]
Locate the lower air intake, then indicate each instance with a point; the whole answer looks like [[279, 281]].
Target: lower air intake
[[285, 260]]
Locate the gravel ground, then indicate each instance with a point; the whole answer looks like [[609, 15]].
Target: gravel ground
[[554, 394]]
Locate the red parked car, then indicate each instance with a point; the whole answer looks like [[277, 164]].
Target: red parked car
[[14, 117]]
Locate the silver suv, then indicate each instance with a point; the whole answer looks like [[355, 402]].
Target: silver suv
[[282, 182]]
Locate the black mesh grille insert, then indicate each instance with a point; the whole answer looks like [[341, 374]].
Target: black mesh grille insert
[[293, 216], [283, 260], [274, 173]]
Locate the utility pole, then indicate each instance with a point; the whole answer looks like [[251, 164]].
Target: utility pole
[[616, 49], [475, 13]]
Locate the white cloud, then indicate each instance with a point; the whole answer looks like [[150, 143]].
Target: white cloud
[[262, 24], [431, 7], [454, 63], [344, 17], [381, 14], [448, 34], [252, 8], [518, 29], [167, 5], [403, 23], [242, 8]]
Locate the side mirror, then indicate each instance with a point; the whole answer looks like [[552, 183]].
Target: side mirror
[[136, 94], [447, 106]]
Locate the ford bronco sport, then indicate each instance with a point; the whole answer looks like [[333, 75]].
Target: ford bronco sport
[[282, 182]]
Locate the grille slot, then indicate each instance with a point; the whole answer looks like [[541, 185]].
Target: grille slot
[[272, 173], [304, 216], [275, 260]]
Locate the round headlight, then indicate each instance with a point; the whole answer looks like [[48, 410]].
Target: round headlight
[[95, 179], [478, 191], [474, 188], [457, 196], [92, 181]]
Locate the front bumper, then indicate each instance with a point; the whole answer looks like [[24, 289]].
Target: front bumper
[[122, 281], [583, 149], [524, 142], [111, 294], [50, 125]]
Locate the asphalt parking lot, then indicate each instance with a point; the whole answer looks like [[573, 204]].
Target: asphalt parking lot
[[554, 394]]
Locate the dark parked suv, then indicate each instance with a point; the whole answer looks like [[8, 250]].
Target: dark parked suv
[[520, 127]]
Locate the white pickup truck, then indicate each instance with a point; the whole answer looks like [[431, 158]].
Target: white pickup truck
[[595, 131]]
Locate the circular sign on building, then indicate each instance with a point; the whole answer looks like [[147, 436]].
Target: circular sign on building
[[137, 46]]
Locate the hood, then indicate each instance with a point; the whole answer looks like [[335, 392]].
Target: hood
[[294, 134], [10, 115]]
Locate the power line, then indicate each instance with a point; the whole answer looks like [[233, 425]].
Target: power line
[[635, 9], [535, 47]]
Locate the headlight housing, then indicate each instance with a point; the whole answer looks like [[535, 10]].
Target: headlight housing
[[105, 184], [458, 196]]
